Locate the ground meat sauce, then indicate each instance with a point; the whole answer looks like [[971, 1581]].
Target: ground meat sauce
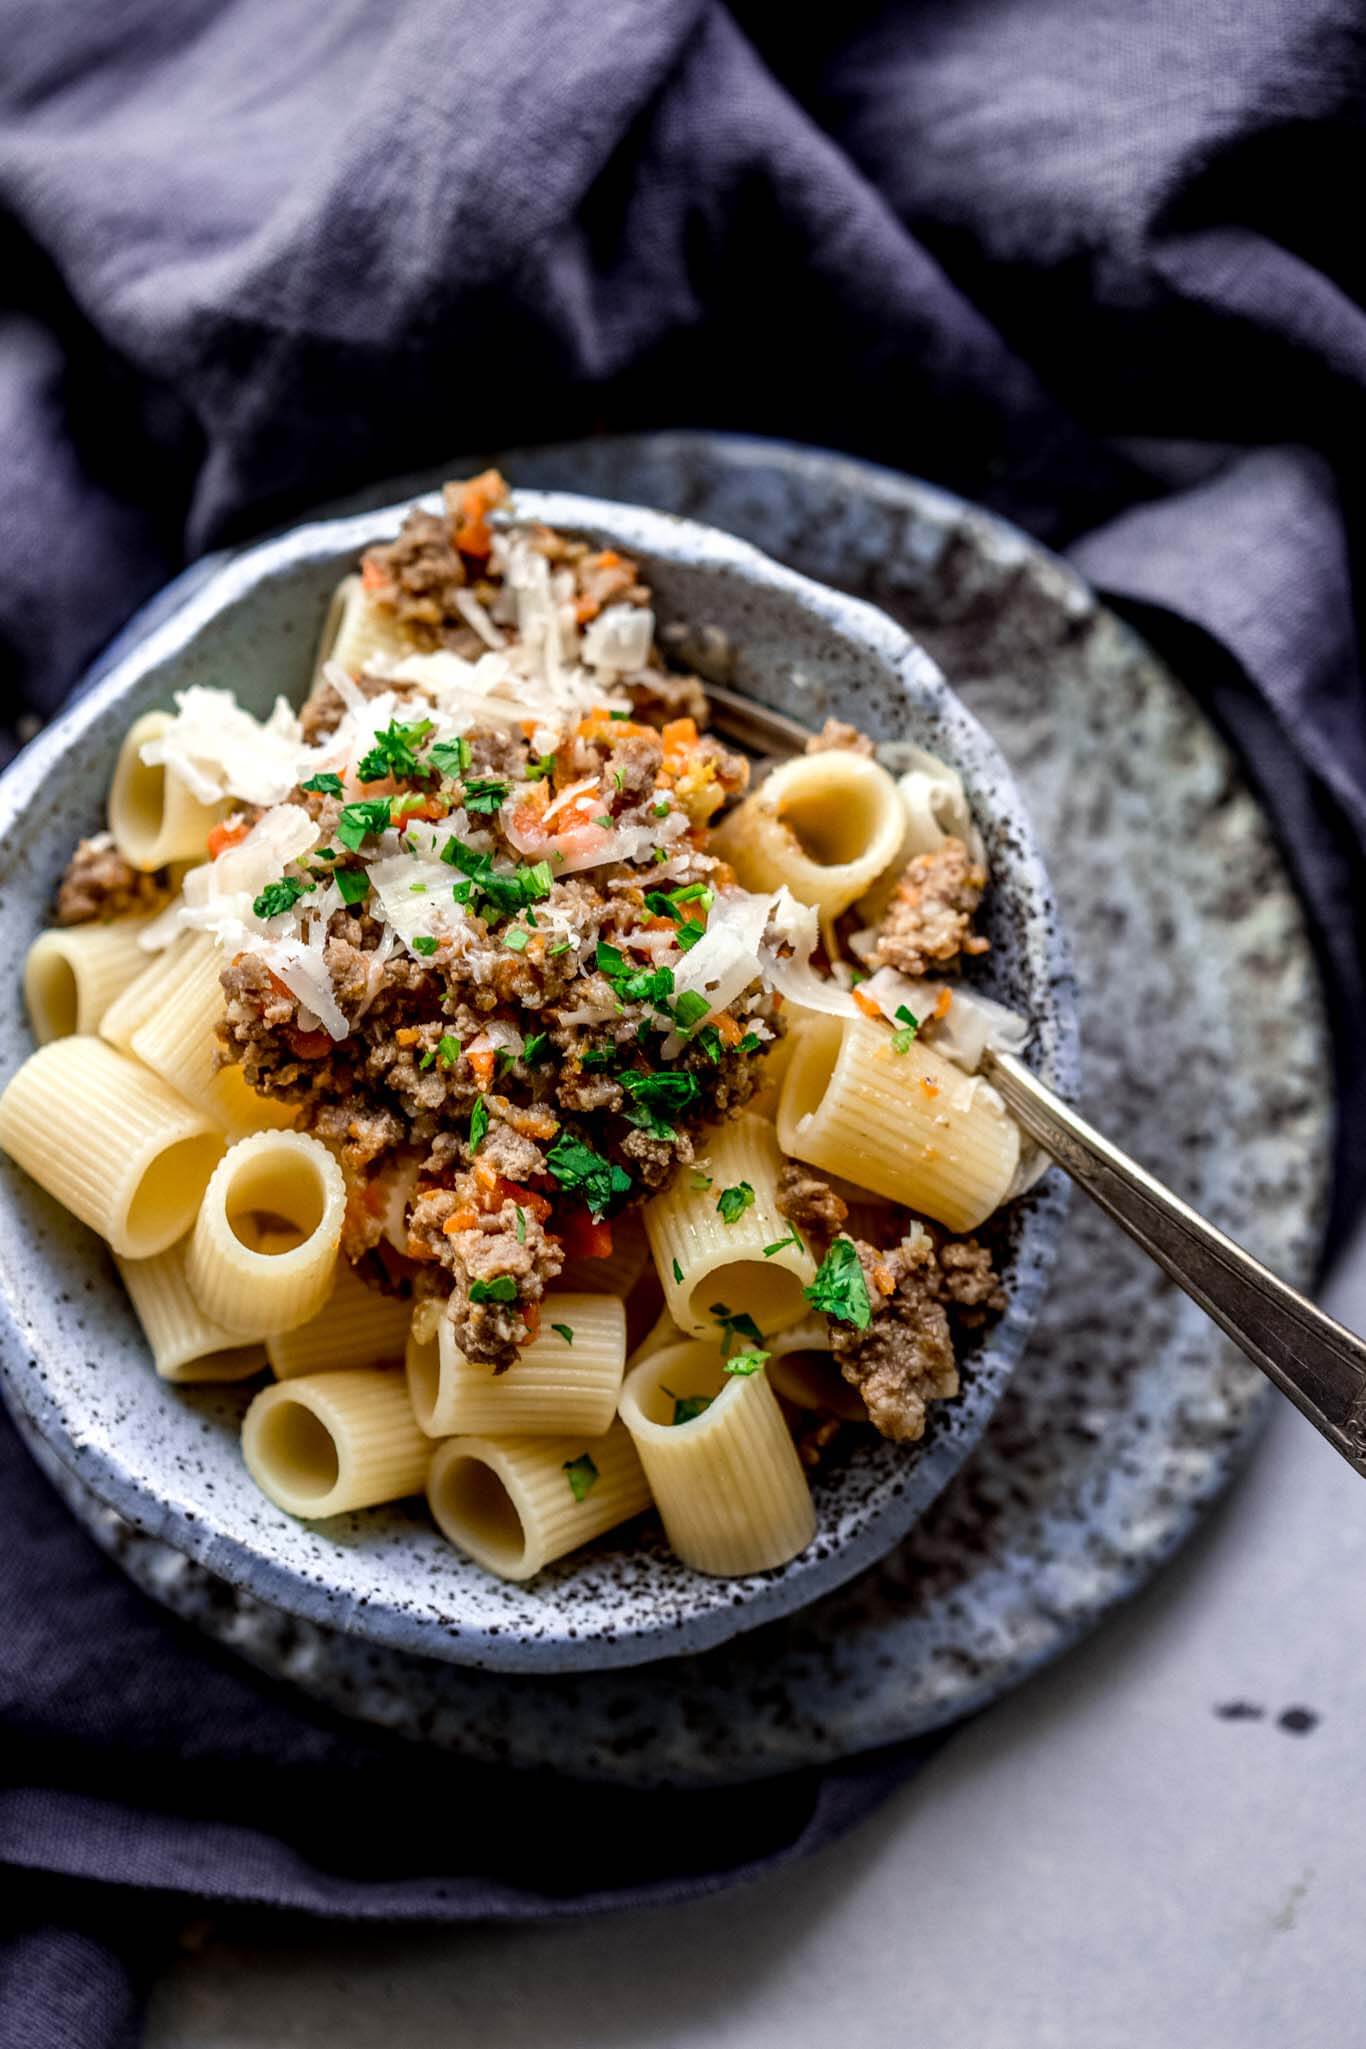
[[100, 884], [928, 923]]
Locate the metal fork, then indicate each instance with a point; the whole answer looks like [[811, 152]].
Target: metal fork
[[1318, 1364]]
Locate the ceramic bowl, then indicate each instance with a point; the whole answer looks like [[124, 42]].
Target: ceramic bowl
[[167, 1458]]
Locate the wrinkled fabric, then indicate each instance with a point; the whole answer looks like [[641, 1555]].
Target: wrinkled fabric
[[1097, 267]]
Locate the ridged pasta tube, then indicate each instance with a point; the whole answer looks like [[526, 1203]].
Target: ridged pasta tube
[[264, 1247], [74, 972], [825, 824], [934, 808], [178, 1040], [802, 1370], [703, 1261], [359, 634], [142, 997], [153, 814], [564, 1383], [515, 1504], [908, 1125], [186, 1347], [727, 1481], [110, 1141], [332, 1442], [356, 1326]]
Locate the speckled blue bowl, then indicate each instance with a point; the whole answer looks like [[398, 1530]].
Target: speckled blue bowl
[[167, 1458]]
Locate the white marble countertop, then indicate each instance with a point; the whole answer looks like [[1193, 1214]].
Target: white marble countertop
[[1104, 1860]]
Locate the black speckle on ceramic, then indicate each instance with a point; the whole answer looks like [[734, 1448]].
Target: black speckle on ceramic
[[168, 1459]]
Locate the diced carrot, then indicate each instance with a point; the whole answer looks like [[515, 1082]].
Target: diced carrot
[[586, 1237], [679, 736], [528, 728], [373, 575], [407, 1035], [867, 1006], [482, 1063], [730, 1031], [531, 1317], [607, 559], [460, 1220], [426, 809], [477, 500], [945, 1003], [931, 1088], [586, 610], [883, 1280], [224, 836]]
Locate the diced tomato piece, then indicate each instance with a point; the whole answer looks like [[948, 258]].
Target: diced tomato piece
[[513, 1191], [586, 1237]]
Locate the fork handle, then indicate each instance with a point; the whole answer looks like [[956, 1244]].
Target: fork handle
[[1312, 1359]]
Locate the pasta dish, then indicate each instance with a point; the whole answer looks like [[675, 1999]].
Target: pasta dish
[[562, 1126]]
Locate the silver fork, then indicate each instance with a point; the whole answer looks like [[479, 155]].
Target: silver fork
[[1318, 1364]]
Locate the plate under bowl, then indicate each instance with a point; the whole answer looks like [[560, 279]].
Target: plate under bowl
[[167, 1458]]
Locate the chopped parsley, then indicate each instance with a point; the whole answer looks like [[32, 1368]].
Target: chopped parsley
[[688, 934], [448, 1049], [540, 766], [687, 1407], [735, 1324], [709, 1040], [668, 903], [781, 1244], [505, 1058], [582, 1476], [563, 947], [451, 757], [598, 1056], [750, 1043], [534, 1047], [425, 945], [516, 940], [327, 785], [673, 1089], [633, 985], [394, 753], [581, 1171], [839, 1289], [700, 1180], [733, 1202], [606, 819], [521, 1225], [280, 896], [901, 1041], [745, 1363], [353, 883], [619, 778], [371, 814], [690, 1008], [486, 886], [662, 809], [502, 1288], [479, 1123], [428, 1057], [678, 1274], [565, 1331], [484, 793]]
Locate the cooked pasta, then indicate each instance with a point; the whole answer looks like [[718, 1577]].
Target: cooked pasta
[[331, 1442], [487, 1029], [825, 824], [918, 1130], [264, 1249], [186, 1347], [110, 1141], [565, 1382], [719, 1238], [73, 973], [515, 1504], [177, 1040], [153, 815], [356, 1326], [721, 1465]]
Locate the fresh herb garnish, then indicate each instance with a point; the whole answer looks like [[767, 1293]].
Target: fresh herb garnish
[[633, 985], [750, 1043], [678, 1274], [565, 1331], [508, 893], [699, 1180], [605, 819], [479, 1123], [668, 903], [448, 1049], [745, 1363], [688, 934], [735, 1324], [661, 809], [691, 1007], [485, 793], [393, 753], [451, 757], [428, 1057], [733, 1202], [687, 1407], [371, 814], [562, 947], [781, 1244], [521, 1224], [425, 945], [353, 883], [581, 1171], [516, 940], [670, 1089], [582, 1475], [502, 1288], [326, 785], [534, 1047], [540, 766], [280, 896], [910, 1025], [839, 1289], [709, 1039]]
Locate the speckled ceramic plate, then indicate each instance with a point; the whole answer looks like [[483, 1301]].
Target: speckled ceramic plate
[[168, 1458], [1204, 1052]]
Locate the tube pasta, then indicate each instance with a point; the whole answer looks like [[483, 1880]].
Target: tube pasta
[[512, 1505], [360, 634], [74, 972], [110, 1141], [825, 824], [702, 1260], [917, 1129], [186, 1347], [177, 1039], [331, 1442], [802, 1370], [728, 1483], [556, 1387], [153, 815], [143, 995], [934, 808], [356, 1326], [264, 1247]]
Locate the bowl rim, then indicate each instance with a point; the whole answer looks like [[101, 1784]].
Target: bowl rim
[[651, 534]]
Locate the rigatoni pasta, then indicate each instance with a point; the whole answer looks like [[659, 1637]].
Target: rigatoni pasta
[[722, 1468], [357, 1325], [263, 1251], [565, 1382], [331, 1442], [826, 825], [186, 1346], [515, 1504], [72, 973], [178, 1040], [154, 816]]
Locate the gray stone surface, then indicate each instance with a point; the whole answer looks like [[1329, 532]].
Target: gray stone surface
[[1101, 1862]]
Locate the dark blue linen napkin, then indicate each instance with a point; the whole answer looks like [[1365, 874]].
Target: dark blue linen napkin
[[1096, 267]]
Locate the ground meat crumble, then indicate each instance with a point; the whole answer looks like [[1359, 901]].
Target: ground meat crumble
[[100, 884], [928, 923]]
